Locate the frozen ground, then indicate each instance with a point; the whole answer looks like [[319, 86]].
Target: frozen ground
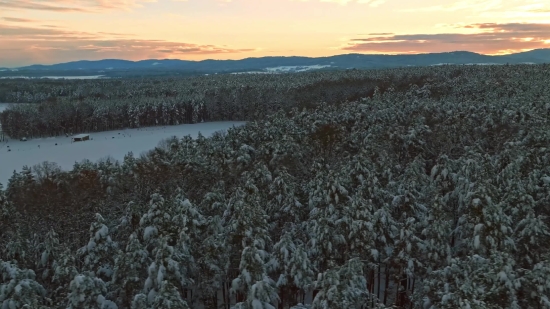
[[110, 143], [3, 106], [296, 68]]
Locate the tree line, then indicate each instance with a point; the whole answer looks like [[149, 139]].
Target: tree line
[[99, 105]]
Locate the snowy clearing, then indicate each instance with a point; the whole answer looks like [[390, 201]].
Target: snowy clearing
[[109, 143], [3, 106], [296, 68]]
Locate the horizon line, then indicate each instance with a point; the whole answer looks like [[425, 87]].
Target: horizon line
[[294, 56]]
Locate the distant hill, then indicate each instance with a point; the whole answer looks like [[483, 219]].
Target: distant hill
[[117, 67]]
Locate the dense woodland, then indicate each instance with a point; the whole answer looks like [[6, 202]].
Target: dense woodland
[[76, 106], [432, 196]]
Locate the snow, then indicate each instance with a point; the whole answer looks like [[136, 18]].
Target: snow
[[295, 68], [149, 231], [80, 135], [103, 231], [4, 106], [100, 145]]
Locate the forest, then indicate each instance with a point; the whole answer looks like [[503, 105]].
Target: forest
[[78, 106], [402, 188]]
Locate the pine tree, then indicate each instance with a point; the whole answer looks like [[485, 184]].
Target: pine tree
[[341, 287], [100, 251], [64, 271], [168, 298], [51, 249], [130, 270], [249, 222], [165, 267], [290, 260], [7, 213], [213, 252], [157, 222], [327, 222], [17, 248], [140, 302], [283, 205], [88, 292], [18, 287]]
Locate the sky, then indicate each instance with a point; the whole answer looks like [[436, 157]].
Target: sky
[[55, 31]]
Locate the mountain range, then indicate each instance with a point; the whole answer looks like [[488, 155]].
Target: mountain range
[[117, 67]]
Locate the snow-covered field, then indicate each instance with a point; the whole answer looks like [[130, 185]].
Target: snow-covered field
[[296, 68], [3, 106], [115, 144]]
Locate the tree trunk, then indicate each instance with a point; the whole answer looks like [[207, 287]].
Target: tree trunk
[[386, 285]]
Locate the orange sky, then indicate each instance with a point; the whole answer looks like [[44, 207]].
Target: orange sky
[[45, 32]]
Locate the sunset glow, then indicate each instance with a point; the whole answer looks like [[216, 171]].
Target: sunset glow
[[45, 32]]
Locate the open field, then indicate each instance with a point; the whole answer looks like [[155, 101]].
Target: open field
[[115, 144]]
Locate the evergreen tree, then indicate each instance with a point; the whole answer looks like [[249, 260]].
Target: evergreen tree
[[169, 298], [51, 248], [165, 267], [290, 260], [327, 222], [130, 270], [341, 287], [88, 292], [248, 223], [100, 252], [64, 271], [140, 302], [18, 288]]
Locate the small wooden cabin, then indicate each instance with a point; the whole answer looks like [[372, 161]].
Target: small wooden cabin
[[81, 137]]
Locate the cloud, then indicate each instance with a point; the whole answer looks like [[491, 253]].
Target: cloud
[[381, 33], [29, 45], [33, 33], [90, 6], [475, 5], [32, 5], [18, 20], [373, 3], [490, 38]]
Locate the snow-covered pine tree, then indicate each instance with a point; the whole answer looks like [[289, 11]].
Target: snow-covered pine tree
[[130, 270], [165, 267], [140, 302], [19, 289], [283, 205], [88, 292], [536, 285], [64, 271], [188, 217], [5, 205], [50, 252], [17, 248], [168, 298], [157, 222], [100, 252], [7, 213], [249, 225], [296, 276], [213, 258], [327, 223], [341, 286]]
